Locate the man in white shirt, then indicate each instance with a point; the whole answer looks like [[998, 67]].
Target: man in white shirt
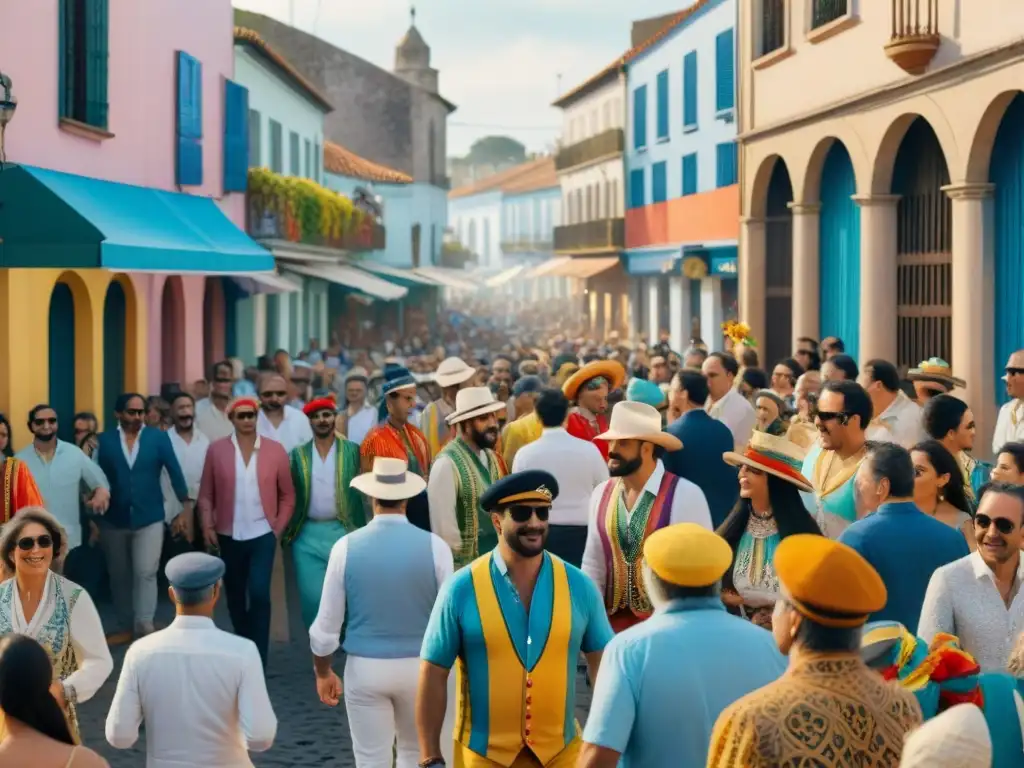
[[357, 417], [578, 467], [978, 598], [1010, 423], [640, 498], [724, 402], [288, 426], [200, 690], [190, 446], [393, 558], [211, 415], [897, 417]]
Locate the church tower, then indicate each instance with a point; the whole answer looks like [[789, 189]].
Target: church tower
[[412, 58]]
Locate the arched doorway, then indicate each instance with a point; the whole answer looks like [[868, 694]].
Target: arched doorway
[[172, 323], [778, 235], [924, 252], [62, 358], [213, 321], [1006, 171], [115, 315], [839, 244]]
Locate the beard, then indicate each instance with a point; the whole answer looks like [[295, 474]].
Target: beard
[[46, 438], [623, 468], [185, 423], [323, 430], [487, 438], [517, 543], [272, 405]]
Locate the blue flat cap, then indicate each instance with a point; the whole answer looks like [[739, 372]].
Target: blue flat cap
[[530, 486], [194, 570], [527, 384]]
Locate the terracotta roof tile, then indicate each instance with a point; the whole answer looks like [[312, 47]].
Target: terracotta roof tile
[[499, 180], [583, 88], [542, 176], [252, 38], [339, 160]]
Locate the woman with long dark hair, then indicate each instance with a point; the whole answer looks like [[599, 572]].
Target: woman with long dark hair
[[37, 730], [6, 449], [769, 509], [939, 488]]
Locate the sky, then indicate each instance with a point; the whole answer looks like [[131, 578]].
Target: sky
[[499, 60]]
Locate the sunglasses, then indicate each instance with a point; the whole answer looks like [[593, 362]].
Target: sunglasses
[[1014, 371], [301, 382], [223, 380], [274, 394], [521, 513], [45, 541], [245, 415], [41, 422], [1003, 525], [135, 411], [841, 416]]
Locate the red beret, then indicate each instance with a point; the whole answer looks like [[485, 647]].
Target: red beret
[[246, 402], [320, 404]]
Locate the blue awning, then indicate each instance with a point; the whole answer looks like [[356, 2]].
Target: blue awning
[[723, 260], [652, 261], [54, 219]]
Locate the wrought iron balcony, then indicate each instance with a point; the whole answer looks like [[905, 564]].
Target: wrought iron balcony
[[915, 34], [526, 245], [600, 235], [826, 11], [266, 219], [603, 144]]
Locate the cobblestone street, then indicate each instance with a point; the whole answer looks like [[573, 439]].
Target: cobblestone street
[[308, 733]]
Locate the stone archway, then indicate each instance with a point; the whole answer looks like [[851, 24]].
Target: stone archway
[[70, 348], [839, 250], [115, 338], [778, 286], [172, 324]]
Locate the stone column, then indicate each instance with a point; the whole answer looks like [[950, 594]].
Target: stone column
[[753, 275], [653, 311], [679, 312], [973, 303], [711, 312], [806, 271], [877, 276]]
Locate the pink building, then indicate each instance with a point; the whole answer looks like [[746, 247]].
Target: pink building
[[111, 287]]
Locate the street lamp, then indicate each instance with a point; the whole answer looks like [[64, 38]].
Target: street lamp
[[8, 104]]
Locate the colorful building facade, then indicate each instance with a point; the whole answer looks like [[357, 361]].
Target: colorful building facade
[[120, 208], [881, 202], [531, 210], [682, 192]]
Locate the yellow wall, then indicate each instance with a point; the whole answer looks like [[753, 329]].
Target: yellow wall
[[25, 343]]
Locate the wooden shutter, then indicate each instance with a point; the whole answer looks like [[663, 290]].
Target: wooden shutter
[[663, 104], [640, 117], [96, 44], [189, 170], [726, 164], [690, 90], [236, 137], [690, 174], [724, 72], [64, 38]]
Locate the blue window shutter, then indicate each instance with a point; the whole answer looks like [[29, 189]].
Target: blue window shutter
[[640, 117], [690, 174], [63, 38], [659, 183], [236, 137], [724, 72], [663, 104], [726, 164], [96, 46], [636, 188], [690, 89], [189, 168]]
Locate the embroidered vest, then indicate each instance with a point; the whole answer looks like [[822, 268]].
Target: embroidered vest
[[472, 478], [347, 500], [526, 707], [623, 544]]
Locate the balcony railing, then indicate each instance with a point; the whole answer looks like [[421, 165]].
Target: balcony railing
[[826, 11], [773, 26], [600, 235], [915, 34], [526, 245], [603, 144]]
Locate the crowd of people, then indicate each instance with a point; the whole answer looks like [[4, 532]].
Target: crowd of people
[[807, 567]]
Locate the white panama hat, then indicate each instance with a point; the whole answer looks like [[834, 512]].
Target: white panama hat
[[638, 421], [389, 480], [472, 402], [452, 371]]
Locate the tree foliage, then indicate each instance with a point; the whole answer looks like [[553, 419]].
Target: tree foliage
[[497, 150]]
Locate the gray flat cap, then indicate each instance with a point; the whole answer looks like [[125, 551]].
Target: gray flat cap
[[194, 570]]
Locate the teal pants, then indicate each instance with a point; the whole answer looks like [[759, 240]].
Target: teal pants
[[310, 551]]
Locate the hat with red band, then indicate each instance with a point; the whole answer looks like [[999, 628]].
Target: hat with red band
[[775, 455], [325, 403], [243, 402]]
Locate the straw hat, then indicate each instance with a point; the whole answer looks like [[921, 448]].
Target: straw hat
[[936, 370], [774, 455], [639, 421], [389, 480], [472, 402], [608, 369], [453, 371]]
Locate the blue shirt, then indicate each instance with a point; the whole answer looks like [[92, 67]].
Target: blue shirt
[[455, 631], [704, 441], [905, 546], [664, 682]]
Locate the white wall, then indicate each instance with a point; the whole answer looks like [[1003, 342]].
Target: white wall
[[604, 181], [594, 113], [477, 220]]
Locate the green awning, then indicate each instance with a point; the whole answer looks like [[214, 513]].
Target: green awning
[[54, 219]]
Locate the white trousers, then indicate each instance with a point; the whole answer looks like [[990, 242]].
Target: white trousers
[[380, 700]]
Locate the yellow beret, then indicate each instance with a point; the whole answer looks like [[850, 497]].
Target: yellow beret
[[828, 582], [687, 555]]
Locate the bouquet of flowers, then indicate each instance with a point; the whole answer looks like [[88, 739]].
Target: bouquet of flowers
[[739, 333]]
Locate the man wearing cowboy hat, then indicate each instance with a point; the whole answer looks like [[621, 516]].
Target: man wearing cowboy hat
[[392, 559], [828, 592], [653, 706], [640, 498], [463, 470], [395, 437], [357, 417], [1010, 422], [452, 375], [933, 376], [588, 388], [326, 507], [508, 657]]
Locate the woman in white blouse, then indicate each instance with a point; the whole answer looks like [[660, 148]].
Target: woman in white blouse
[[57, 613]]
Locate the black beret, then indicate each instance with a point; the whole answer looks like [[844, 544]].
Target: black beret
[[531, 485]]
